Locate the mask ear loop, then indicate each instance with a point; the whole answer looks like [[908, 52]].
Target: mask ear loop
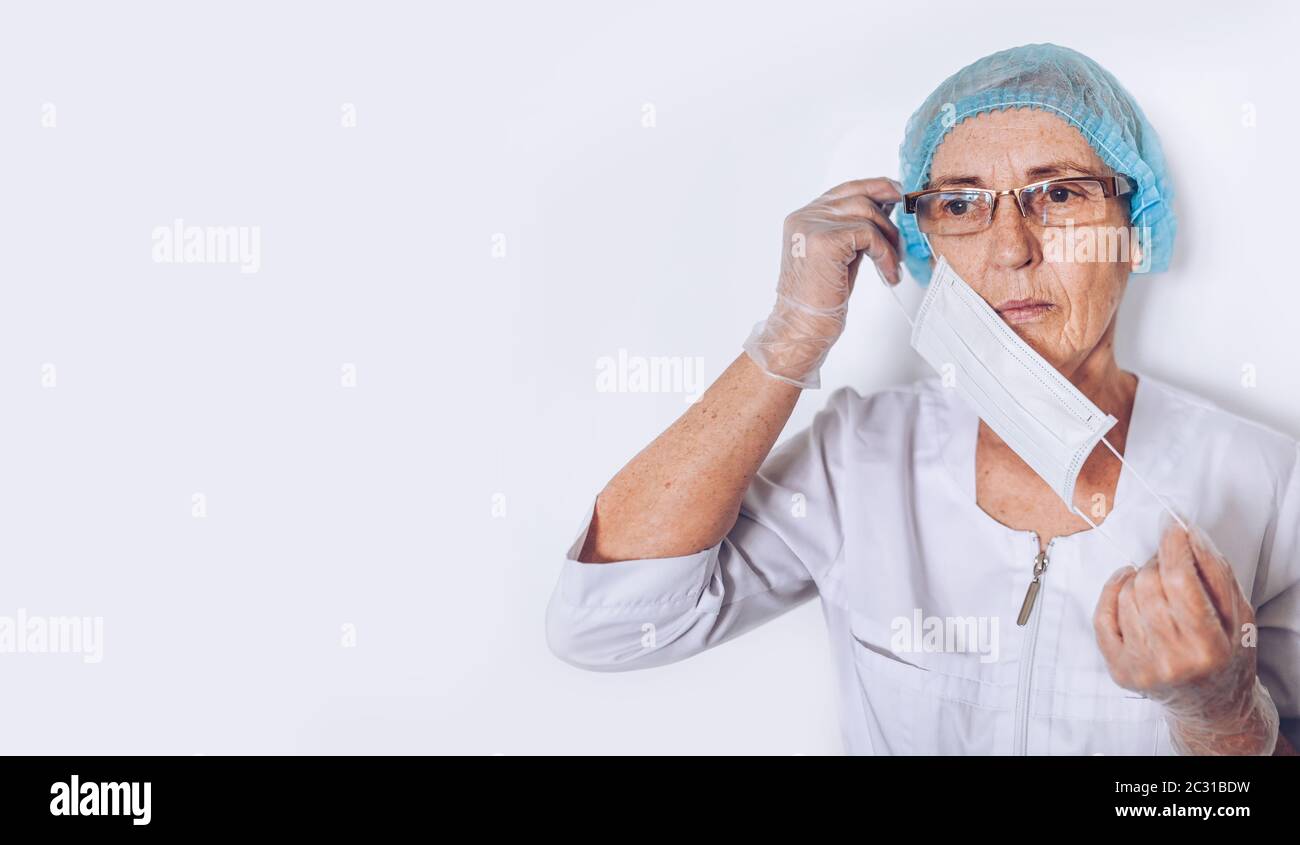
[[1109, 539], [1150, 489], [902, 268], [897, 301], [1132, 562]]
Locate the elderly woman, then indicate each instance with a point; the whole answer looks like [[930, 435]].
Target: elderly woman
[[971, 608]]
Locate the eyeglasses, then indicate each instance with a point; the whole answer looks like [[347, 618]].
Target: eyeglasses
[[1077, 201]]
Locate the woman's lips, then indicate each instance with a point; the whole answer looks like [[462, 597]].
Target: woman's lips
[[1024, 310]]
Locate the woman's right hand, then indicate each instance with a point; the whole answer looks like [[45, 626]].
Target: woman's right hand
[[824, 243]]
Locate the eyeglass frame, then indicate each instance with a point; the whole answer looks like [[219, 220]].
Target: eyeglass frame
[[1110, 187]]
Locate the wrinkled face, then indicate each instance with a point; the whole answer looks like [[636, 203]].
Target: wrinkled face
[[1059, 295]]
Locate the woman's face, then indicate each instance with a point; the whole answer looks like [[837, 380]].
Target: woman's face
[[1066, 305]]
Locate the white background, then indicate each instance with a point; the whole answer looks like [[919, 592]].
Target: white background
[[372, 506]]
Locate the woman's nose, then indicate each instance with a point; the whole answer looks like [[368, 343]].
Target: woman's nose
[[1014, 245]]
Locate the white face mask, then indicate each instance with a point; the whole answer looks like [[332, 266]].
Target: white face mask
[[1036, 411]]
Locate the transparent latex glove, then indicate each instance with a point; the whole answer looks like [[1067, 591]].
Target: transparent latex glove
[[1180, 631], [824, 242]]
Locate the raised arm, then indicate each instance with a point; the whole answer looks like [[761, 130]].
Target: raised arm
[[689, 545], [682, 493]]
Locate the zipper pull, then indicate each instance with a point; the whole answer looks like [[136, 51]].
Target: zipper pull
[[1031, 595]]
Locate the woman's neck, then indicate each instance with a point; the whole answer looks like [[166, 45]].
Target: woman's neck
[[1100, 378]]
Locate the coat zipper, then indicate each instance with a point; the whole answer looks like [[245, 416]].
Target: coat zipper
[[1031, 595], [1030, 610]]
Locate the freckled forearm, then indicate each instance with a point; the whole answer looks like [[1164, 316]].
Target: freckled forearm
[[682, 493]]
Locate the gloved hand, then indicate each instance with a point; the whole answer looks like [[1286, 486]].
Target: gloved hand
[[1173, 630], [824, 241]]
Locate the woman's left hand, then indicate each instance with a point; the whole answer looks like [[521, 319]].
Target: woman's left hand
[[1180, 631]]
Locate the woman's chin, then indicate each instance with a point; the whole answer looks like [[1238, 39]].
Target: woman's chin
[[1044, 337]]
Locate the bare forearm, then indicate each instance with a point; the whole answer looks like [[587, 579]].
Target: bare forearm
[[682, 493]]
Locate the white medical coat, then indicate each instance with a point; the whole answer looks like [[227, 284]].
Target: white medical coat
[[872, 509]]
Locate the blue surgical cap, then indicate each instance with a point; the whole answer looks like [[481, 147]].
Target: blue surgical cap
[[1069, 85]]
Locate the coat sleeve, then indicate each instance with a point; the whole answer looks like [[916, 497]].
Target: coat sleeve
[[635, 614], [1278, 614]]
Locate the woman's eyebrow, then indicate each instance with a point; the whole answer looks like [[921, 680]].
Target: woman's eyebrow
[[1060, 167], [957, 181], [1047, 170]]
